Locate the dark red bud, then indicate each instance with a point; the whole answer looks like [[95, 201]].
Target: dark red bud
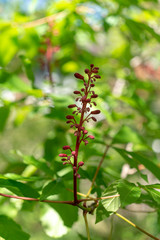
[[69, 117], [74, 168], [62, 155], [86, 70], [92, 65], [94, 96], [72, 125], [86, 142], [95, 71], [91, 137], [77, 92], [72, 106], [69, 122], [95, 104], [78, 175], [92, 85], [79, 76], [94, 119], [66, 147], [97, 76], [88, 100], [82, 89], [80, 164], [97, 68], [63, 159], [64, 163], [95, 112]]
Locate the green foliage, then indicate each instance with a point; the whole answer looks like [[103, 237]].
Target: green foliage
[[42, 44], [14, 229]]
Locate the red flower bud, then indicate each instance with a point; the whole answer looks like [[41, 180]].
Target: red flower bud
[[86, 142], [66, 147], [92, 85], [78, 175], [82, 89], [69, 117], [62, 155], [86, 70], [85, 131], [97, 68], [80, 164], [69, 122], [94, 119], [94, 96], [95, 104], [92, 65], [95, 112], [73, 153], [91, 137], [95, 71], [63, 159], [64, 163], [88, 100], [74, 168], [72, 106], [77, 92], [79, 76], [97, 76]]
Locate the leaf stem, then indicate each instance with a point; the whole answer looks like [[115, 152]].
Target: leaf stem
[[86, 223], [98, 168], [134, 225]]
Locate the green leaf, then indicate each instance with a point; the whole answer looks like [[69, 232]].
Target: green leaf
[[28, 68], [134, 159], [128, 159], [110, 205], [10, 230], [68, 213], [14, 176], [126, 135], [101, 213], [129, 192], [39, 163], [19, 188], [150, 165], [150, 189], [52, 188]]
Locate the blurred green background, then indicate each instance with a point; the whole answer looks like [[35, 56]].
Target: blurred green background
[[42, 44]]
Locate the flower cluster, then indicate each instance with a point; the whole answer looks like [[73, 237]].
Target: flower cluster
[[84, 102]]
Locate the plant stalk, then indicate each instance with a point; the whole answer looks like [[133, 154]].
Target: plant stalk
[[134, 225]]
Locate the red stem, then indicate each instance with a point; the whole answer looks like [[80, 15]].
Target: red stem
[[35, 199], [78, 142]]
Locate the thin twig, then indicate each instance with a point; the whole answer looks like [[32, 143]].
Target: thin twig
[[134, 225], [98, 168], [43, 20], [36, 199]]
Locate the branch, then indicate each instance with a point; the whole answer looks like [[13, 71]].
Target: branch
[[134, 225], [98, 168], [43, 20], [36, 199]]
